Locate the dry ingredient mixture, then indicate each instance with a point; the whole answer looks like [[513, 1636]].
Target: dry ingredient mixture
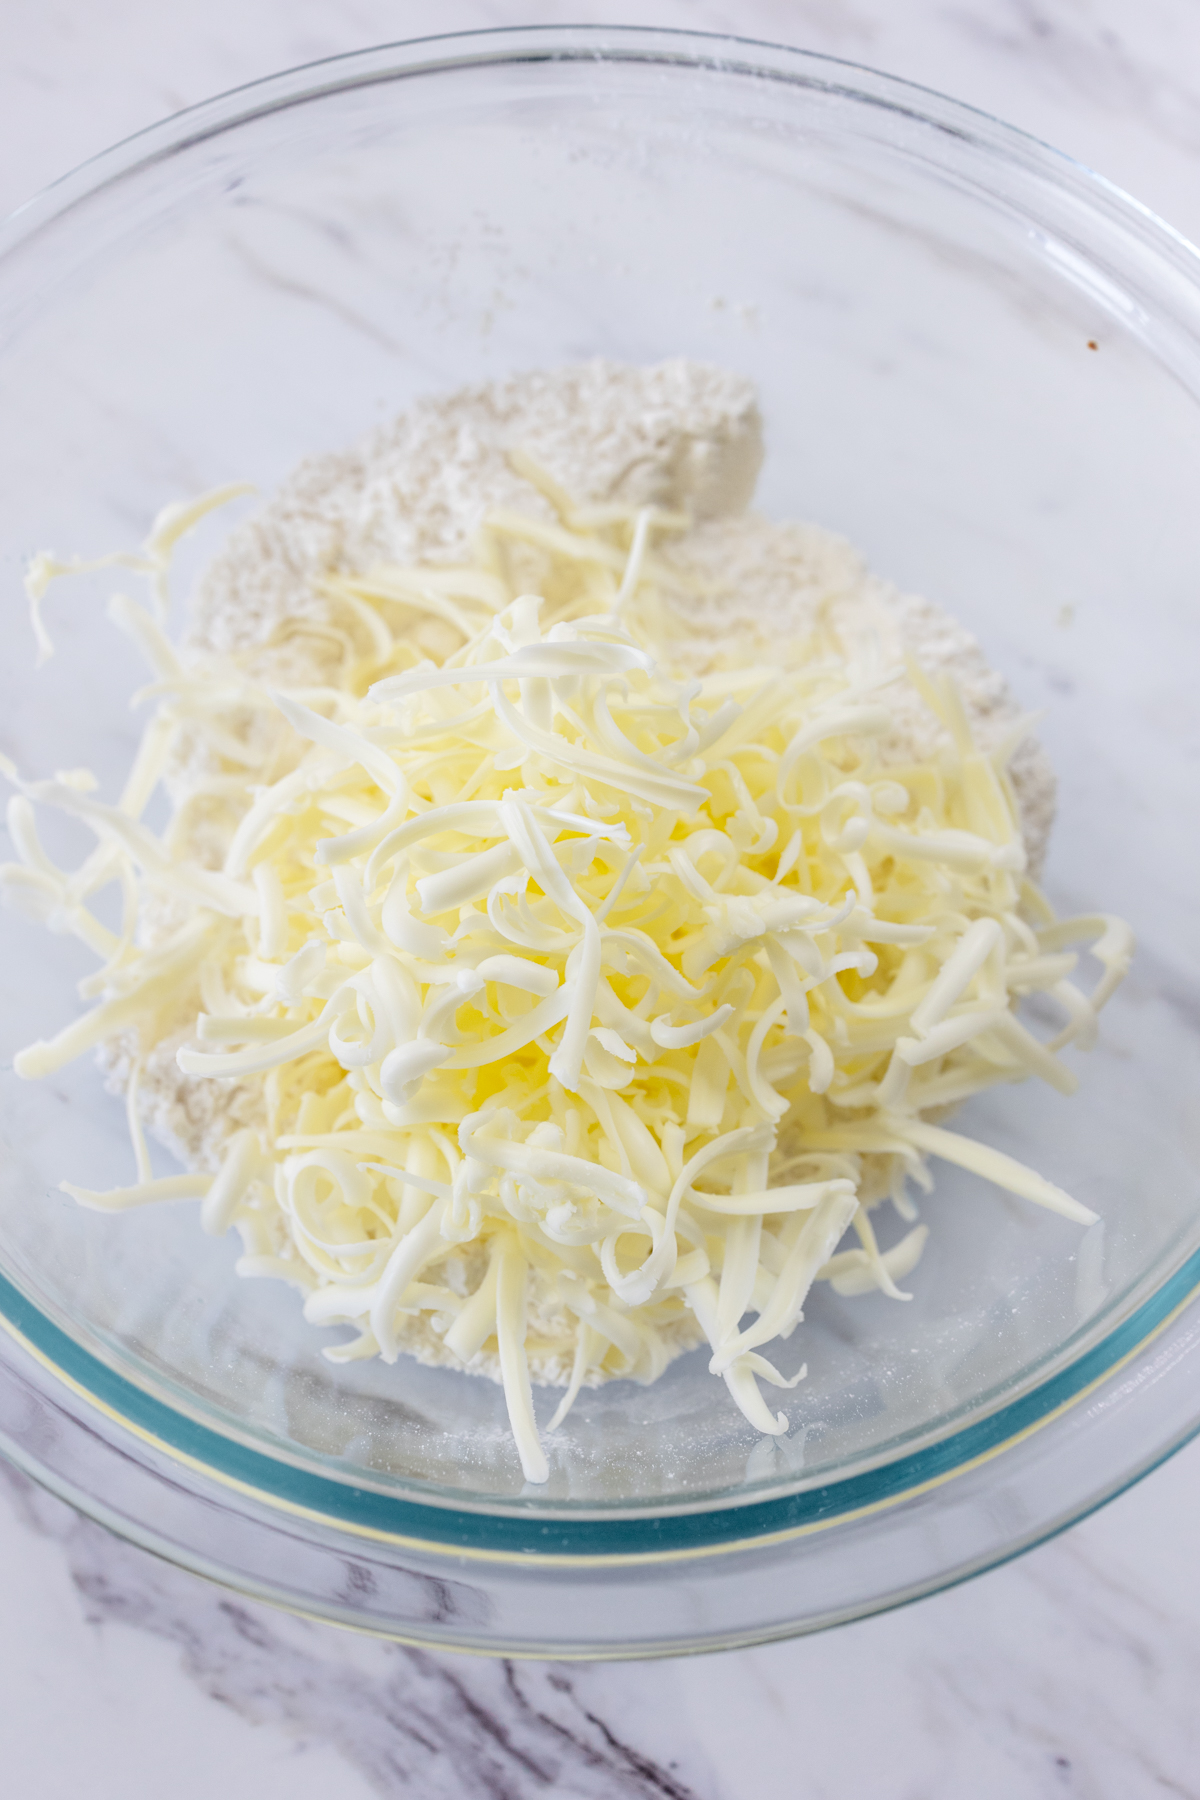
[[583, 898]]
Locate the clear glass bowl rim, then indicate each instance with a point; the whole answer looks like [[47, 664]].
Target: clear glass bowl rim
[[736, 1523]]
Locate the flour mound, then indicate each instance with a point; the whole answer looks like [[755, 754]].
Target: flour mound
[[678, 435]]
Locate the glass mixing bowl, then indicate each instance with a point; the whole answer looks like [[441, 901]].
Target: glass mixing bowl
[[980, 363]]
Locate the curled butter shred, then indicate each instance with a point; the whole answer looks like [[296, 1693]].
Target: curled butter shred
[[644, 984]]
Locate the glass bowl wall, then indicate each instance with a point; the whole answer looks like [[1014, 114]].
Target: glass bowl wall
[[976, 360]]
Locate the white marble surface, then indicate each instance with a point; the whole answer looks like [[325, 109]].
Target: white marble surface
[[1072, 1672]]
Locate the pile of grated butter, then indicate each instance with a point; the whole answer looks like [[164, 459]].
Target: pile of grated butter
[[571, 998]]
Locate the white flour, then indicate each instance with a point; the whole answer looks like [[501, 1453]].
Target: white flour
[[678, 435], [681, 435]]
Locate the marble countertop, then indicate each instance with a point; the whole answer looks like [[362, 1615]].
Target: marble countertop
[[1071, 1672]]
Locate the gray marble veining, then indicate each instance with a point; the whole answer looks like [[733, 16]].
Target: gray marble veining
[[410, 1722]]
